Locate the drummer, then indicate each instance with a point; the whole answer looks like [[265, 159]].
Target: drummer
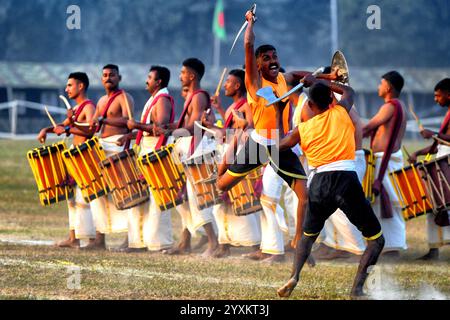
[[197, 101], [386, 130], [81, 224], [438, 229], [111, 109], [155, 233], [233, 230]]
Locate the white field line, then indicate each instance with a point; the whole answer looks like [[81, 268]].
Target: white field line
[[129, 272], [29, 242]]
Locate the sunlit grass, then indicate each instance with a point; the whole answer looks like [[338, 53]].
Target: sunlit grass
[[40, 272]]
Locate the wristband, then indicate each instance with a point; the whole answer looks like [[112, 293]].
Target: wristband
[[67, 130]]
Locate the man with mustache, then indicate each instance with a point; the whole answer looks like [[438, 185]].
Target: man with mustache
[[262, 69], [148, 227], [81, 224], [110, 113]]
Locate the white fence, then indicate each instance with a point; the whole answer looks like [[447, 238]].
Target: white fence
[[18, 113]]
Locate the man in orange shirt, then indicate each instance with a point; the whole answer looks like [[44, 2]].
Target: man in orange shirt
[[328, 142], [262, 69]]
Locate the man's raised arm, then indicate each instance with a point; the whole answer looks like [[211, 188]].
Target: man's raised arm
[[252, 79]]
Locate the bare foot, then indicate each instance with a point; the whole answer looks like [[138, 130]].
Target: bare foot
[[69, 243], [274, 258], [358, 294], [390, 256], [180, 249], [134, 250], [94, 246], [203, 240], [289, 248], [286, 290], [256, 255], [337, 254], [432, 255], [222, 251], [322, 251], [208, 253]]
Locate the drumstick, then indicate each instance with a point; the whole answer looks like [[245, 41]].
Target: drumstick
[[406, 152], [81, 124], [68, 106], [198, 124], [421, 128], [411, 109], [220, 82], [130, 115], [50, 117]]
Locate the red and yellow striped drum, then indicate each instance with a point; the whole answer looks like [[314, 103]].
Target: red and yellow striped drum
[[128, 189], [369, 176], [164, 176], [201, 170], [411, 191], [50, 173], [243, 196], [436, 175], [82, 162]]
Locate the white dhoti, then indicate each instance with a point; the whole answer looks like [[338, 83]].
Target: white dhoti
[[339, 232], [80, 216], [438, 236], [107, 218], [148, 226], [191, 217], [236, 230], [394, 229], [273, 220]]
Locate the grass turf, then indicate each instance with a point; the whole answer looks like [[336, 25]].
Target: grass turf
[[44, 272]]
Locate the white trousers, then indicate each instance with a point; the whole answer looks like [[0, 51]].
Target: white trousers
[[107, 218], [274, 223], [394, 229], [80, 216]]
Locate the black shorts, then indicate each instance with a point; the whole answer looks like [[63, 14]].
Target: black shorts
[[329, 191], [253, 155]]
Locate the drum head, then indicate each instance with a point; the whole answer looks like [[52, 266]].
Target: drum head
[[339, 62]]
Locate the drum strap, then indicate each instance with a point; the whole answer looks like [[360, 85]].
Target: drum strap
[[378, 188], [194, 143], [162, 138], [108, 104], [110, 101], [80, 109], [445, 123], [229, 120]]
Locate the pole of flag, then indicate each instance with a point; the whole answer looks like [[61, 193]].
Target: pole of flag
[[334, 26], [218, 27]]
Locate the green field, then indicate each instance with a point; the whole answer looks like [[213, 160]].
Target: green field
[[44, 272]]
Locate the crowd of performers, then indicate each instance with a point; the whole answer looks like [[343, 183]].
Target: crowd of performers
[[307, 147]]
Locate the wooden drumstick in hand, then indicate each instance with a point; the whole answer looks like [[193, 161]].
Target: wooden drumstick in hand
[[421, 128], [127, 105], [42, 140], [50, 117], [220, 82], [411, 109]]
